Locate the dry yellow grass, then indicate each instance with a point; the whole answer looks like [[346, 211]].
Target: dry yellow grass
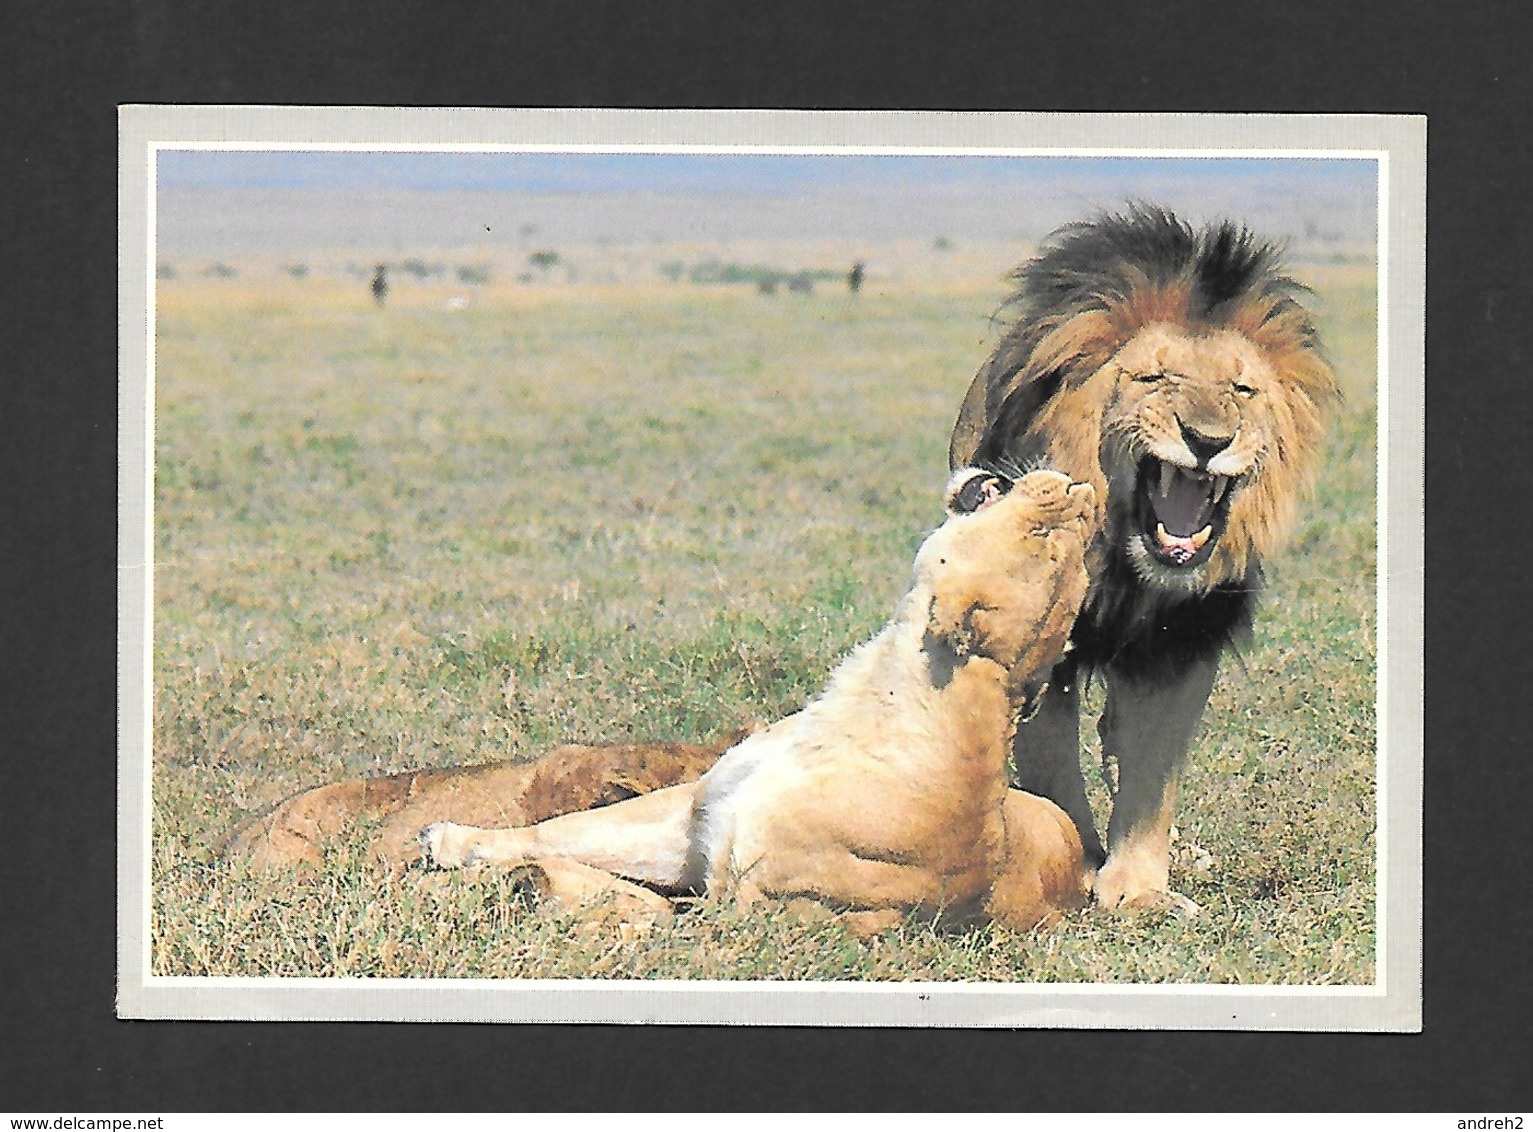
[[635, 509]]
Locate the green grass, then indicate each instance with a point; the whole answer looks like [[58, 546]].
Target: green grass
[[409, 537]]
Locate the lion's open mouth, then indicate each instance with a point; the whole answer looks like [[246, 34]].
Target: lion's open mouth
[[1181, 512]]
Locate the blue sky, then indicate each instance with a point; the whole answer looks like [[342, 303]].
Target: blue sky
[[737, 173]]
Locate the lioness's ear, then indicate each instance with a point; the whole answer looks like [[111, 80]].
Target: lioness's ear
[[969, 489]]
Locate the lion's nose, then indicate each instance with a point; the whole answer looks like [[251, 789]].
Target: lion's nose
[[1203, 446]]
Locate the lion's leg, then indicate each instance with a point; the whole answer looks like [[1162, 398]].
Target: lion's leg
[[1048, 759], [1147, 728], [643, 839]]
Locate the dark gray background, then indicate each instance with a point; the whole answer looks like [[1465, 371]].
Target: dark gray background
[[69, 64]]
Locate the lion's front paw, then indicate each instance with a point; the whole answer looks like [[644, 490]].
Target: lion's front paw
[[446, 846], [1158, 902], [1122, 888]]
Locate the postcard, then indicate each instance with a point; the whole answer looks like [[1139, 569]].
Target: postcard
[[859, 569]]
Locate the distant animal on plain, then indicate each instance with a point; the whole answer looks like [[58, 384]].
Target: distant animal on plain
[[380, 285], [854, 277]]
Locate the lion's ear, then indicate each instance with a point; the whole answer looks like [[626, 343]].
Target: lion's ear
[[997, 411], [970, 429], [1023, 375]]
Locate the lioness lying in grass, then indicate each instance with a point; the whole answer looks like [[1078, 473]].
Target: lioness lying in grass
[[887, 795]]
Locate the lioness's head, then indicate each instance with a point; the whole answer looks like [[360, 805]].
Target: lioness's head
[[1004, 576], [1177, 372]]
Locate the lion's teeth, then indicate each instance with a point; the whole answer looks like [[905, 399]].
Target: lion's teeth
[[1199, 539], [1167, 478], [1221, 485]]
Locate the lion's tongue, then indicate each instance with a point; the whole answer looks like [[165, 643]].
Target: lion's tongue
[[1177, 547]]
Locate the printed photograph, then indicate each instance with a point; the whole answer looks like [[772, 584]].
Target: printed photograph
[[765, 567]]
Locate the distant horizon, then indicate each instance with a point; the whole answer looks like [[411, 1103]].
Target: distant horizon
[[216, 201], [751, 173]]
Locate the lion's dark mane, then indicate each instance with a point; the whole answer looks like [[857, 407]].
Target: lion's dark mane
[[1090, 264], [1141, 632]]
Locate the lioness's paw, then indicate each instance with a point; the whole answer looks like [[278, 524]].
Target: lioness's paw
[[445, 846]]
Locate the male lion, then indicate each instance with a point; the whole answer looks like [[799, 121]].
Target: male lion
[[1176, 371], [888, 793]]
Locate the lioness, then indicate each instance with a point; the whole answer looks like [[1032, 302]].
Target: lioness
[[888, 793]]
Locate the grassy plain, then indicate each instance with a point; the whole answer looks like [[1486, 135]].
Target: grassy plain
[[423, 536]]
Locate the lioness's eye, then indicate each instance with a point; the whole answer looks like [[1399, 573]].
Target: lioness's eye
[[1148, 378], [1245, 390]]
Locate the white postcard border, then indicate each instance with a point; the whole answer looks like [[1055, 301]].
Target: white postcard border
[[1398, 143]]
